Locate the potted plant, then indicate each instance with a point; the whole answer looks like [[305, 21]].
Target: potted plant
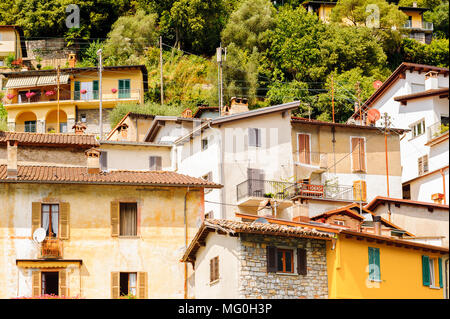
[[114, 90], [10, 96], [83, 91], [50, 93], [268, 195], [30, 94], [38, 59]]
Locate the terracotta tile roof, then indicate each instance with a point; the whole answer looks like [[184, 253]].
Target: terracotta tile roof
[[53, 174], [234, 227], [80, 140], [432, 92]]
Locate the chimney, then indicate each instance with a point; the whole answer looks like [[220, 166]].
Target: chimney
[[11, 164], [431, 80], [237, 105], [377, 225], [93, 161], [79, 128], [72, 60], [414, 4], [187, 113]]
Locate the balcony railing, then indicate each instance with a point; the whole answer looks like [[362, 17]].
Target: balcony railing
[[436, 130], [426, 26], [12, 98], [312, 158], [51, 248], [287, 191]]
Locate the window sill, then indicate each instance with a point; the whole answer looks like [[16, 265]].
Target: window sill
[[433, 287], [212, 283], [286, 273], [129, 237], [376, 280]]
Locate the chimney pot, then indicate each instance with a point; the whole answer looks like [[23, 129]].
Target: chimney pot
[[431, 80], [72, 59], [237, 105], [11, 166], [79, 128], [93, 161], [377, 225]]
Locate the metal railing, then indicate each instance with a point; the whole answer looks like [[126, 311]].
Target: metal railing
[[262, 188], [51, 248], [436, 130], [286, 190], [426, 26]]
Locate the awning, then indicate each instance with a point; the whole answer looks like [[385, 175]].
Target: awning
[[32, 263], [19, 82], [31, 81], [51, 79]]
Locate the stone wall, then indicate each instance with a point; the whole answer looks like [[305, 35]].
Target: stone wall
[[92, 120], [255, 282]]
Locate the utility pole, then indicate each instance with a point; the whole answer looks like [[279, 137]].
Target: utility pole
[[161, 65], [220, 60], [332, 95], [57, 112], [100, 69], [386, 129]]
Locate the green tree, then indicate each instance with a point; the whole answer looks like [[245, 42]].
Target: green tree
[[440, 18], [129, 38], [436, 53], [89, 56]]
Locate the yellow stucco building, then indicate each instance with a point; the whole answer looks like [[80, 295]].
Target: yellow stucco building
[[32, 98], [11, 42]]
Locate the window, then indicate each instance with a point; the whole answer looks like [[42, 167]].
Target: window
[[374, 264], [254, 137], [358, 154], [50, 283], [406, 189], [128, 219], [204, 144], [340, 222], [83, 118], [103, 160], [208, 177], [124, 89], [422, 163], [304, 155], [155, 163], [63, 127], [50, 219], [214, 269], [418, 128], [30, 126], [255, 185], [128, 283], [432, 272], [285, 260]]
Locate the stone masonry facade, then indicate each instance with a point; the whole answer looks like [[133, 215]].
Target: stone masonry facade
[[256, 282]]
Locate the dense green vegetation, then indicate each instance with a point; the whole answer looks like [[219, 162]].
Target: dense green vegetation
[[275, 54]]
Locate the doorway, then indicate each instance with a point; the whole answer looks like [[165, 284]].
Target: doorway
[[50, 283]]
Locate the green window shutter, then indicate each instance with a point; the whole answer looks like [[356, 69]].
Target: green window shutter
[[371, 262], [76, 93], [95, 89], [440, 272], [425, 270], [377, 273]]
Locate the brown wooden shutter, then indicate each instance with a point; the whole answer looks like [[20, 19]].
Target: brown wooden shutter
[[63, 283], [301, 261], [142, 285], [115, 212], [303, 148], [115, 285], [358, 155], [36, 282], [35, 216], [362, 154], [271, 259], [216, 268], [211, 270], [359, 191], [363, 191], [64, 220]]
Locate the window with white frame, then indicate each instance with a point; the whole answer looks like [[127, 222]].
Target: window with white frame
[[417, 128]]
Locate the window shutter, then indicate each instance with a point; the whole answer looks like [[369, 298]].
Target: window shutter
[[216, 267], [35, 216], [211, 270], [115, 209], [76, 88], [64, 220], [425, 270], [440, 272], [251, 137], [355, 154], [371, 264], [115, 286], [301, 261], [362, 155], [420, 165], [359, 191], [271, 259], [425, 164], [63, 283], [142, 285], [36, 282], [376, 257], [303, 148], [95, 89]]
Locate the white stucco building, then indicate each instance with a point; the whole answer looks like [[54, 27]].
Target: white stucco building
[[416, 98]]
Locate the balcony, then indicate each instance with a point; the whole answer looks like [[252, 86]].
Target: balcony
[[43, 96], [251, 191], [51, 248], [424, 26], [436, 130]]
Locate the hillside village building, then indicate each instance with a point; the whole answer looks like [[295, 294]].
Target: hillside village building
[[107, 234], [33, 102], [415, 97], [12, 42]]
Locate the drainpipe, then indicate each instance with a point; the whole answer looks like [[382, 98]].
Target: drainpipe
[[443, 186]]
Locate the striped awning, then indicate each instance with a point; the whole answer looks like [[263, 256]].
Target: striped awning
[[51, 79], [20, 82], [48, 263], [31, 81]]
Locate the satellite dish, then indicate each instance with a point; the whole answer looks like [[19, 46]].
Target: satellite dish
[[377, 84], [39, 235], [260, 220], [351, 121], [373, 115]]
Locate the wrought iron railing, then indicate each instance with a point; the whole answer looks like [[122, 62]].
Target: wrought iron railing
[[261, 188], [427, 26], [51, 248]]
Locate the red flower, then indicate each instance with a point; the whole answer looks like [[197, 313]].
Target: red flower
[[10, 96], [30, 94], [83, 91], [114, 90], [50, 93]]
